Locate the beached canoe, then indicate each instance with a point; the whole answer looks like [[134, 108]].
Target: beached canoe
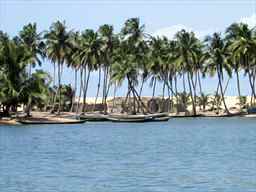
[[139, 117], [129, 120], [94, 117], [36, 122], [166, 118]]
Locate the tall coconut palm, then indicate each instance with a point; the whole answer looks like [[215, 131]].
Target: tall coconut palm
[[187, 47], [109, 41], [57, 47], [74, 62], [34, 44], [90, 52], [132, 37], [156, 61], [217, 61], [123, 68], [242, 46]]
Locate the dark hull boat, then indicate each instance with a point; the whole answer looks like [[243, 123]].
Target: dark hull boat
[[161, 118], [36, 122], [93, 117], [129, 120], [139, 118]]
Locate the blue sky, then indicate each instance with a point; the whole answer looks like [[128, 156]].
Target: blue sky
[[160, 17]]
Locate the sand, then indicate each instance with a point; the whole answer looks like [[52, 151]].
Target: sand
[[231, 101]]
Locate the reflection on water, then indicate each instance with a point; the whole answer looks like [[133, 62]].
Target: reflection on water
[[180, 155]]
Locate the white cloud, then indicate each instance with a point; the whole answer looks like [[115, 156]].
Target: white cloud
[[251, 20], [170, 32]]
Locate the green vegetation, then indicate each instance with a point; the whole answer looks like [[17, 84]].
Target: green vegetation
[[131, 57]]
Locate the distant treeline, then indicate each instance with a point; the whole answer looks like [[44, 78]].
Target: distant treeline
[[130, 55]]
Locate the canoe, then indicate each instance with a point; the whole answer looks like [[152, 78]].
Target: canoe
[[138, 116], [32, 122], [161, 118], [129, 120], [251, 110], [158, 115], [94, 117]]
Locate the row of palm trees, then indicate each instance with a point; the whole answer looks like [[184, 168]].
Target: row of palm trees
[[135, 57], [17, 84]]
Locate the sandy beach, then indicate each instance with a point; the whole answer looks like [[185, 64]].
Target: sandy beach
[[65, 117]]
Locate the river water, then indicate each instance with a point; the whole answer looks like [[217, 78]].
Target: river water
[[183, 155]]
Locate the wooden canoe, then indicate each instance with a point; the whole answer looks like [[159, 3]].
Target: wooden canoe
[[129, 120], [32, 122], [161, 118], [94, 117]]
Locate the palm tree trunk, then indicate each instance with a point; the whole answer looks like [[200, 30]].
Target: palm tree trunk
[[238, 87], [85, 91], [163, 91], [194, 87], [127, 95], [98, 89], [176, 92], [84, 87], [162, 106], [141, 87], [251, 84], [184, 83], [154, 88], [114, 98], [59, 84], [170, 95], [80, 90], [54, 74], [134, 101], [54, 85], [108, 84], [199, 83], [54, 100], [28, 108], [191, 94], [74, 96], [104, 84], [175, 84], [222, 93]]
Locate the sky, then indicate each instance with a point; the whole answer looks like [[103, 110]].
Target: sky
[[163, 17]]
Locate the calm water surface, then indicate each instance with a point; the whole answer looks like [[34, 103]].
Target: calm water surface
[[191, 155]]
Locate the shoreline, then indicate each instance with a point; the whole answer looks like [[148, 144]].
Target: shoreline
[[68, 118], [71, 117]]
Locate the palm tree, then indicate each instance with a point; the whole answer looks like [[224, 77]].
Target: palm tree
[[109, 42], [217, 61], [34, 44], [89, 53], [13, 59], [242, 46], [156, 61], [35, 89], [58, 46], [187, 47], [123, 68], [74, 62], [132, 45]]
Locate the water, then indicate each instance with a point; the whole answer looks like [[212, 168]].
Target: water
[[191, 155]]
